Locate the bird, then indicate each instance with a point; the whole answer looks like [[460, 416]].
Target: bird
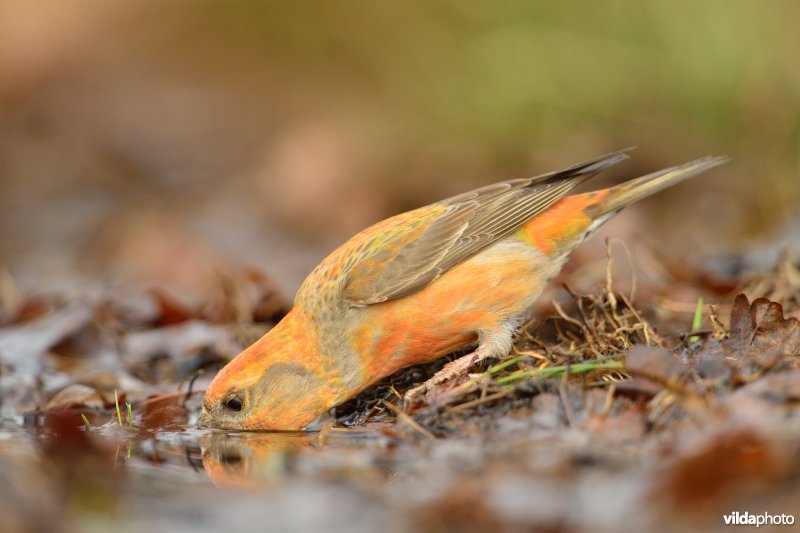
[[455, 274]]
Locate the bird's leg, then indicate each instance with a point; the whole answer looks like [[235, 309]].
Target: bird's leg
[[492, 344], [453, 369], [449, 371]]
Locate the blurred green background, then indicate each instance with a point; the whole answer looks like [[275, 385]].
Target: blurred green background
[[161, 142]]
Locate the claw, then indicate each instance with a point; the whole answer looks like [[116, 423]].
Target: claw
[[451, 370]]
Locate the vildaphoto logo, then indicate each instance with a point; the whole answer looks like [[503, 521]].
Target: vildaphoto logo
[[763, 519]]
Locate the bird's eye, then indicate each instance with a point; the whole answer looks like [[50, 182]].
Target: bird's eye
[[234, 404], [231, 459]]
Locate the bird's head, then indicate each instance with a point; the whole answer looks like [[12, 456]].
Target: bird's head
[[275, 384]]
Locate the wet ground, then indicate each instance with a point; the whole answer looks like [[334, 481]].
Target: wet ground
[[608, 416]]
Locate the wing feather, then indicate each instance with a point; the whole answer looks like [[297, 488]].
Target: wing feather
[[392, 266]]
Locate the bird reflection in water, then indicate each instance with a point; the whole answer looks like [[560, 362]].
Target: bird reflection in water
[[251, 460]]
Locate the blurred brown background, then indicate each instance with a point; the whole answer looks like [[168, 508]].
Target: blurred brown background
[[159, 143]]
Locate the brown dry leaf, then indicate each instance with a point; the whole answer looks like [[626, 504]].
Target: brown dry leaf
[[178, 343], [780, 387], [270, 305], [170, 310], [164, 412], [718, 462], [746, 447], [22, 353], [656, 364], [31, 308], [75, 395], [251, 296], [711, 364], [760, 335], [781, 283], [22, 345]]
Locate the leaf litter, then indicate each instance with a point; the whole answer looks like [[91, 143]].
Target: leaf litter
[[601, 418]]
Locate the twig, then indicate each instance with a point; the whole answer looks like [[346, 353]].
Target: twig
[[191, 386], [609, 399], [480, 401], [408, 420]]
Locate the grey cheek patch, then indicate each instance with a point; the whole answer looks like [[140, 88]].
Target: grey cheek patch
[[293, 380]]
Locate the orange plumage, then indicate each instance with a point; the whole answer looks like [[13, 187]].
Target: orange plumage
[[417, 286]]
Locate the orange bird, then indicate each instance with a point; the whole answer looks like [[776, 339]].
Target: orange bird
[[460, 272]]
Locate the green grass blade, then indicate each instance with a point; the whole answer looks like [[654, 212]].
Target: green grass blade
[[507, 363], [697, 322], [116, 403], [557, 371]]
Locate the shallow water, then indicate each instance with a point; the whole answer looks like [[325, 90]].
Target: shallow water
[[190, 479]]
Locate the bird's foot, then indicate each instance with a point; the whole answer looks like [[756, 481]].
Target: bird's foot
[[451, 370]]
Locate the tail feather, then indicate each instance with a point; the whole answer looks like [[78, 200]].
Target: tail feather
[[636, 189]]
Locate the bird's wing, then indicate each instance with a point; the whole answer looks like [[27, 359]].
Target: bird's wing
[[408, 257]]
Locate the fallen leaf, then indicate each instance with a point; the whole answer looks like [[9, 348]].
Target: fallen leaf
[[75, 395], [179, 342], [22, 345], [163, 412], [22, 350], [170, 310], [782, 387], [656, 364], [760, 335], [711, 364], [270, 303], [715, 464]]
